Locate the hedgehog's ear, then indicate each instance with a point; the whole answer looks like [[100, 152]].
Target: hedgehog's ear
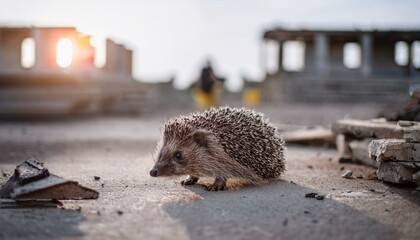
[[200, 137]]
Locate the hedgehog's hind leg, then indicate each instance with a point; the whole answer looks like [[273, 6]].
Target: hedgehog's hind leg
[[218, 185], [190, 180]]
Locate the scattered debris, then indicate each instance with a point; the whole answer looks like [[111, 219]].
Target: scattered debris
[[391, 147], [32, 181], [399, 159], [348, 174], [310, 195], [354, 137], [96, 178], [315, 195]]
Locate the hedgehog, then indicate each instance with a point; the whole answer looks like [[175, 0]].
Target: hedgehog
[[222, 143]]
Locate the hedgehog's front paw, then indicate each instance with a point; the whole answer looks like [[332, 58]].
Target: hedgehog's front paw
[[190, 180], [218, 185]]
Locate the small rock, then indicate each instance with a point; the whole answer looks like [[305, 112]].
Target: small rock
[[306, 212], [386, 210], [348, 191], [319, 197], [348, 174], [342, 169], [310, 167], [103, 185], [98, 213], [311, 195], [405, 123], [285, 222], [120, 212], [292, 182], [372, 190], [332, 188], [96, 178]]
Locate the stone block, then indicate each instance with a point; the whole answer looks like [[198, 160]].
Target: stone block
[[398, 150], [398, 172], [374, 128], [411, 130], [360, 152]]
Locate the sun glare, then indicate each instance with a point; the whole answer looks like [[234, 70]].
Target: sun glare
[[64, 52]]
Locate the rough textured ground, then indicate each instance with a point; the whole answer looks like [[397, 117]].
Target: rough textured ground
[[133, 205]]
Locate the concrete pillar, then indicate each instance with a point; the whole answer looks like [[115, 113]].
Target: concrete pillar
[[118, 61], [410, 67], [129, 64], [280, 57], [11, 47], [309, 55], [40, 50], [1, 53], [322, 56], [367, 49]]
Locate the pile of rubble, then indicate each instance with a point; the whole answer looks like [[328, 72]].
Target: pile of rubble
[[392, 147]]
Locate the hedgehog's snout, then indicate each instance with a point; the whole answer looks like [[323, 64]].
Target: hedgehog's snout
[[154, 172]]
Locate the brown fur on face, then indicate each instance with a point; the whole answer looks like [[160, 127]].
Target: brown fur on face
[[181, 156]]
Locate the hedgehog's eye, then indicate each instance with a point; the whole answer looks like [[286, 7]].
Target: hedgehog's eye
[[178, 157]]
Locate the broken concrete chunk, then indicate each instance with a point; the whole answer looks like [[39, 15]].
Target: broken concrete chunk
[[416, 178], [405, 123], [394, 150], [348, 174], [360, 152], [411, 130], [32, 181], [375, 128], [30, 170], [397, 172]]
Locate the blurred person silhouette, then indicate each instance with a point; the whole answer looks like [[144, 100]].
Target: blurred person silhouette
[[206, 89]]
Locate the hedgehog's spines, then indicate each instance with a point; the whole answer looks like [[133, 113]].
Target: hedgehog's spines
[[245, 135]]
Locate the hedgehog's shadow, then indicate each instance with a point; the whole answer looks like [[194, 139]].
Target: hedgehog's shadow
[[273, 211]]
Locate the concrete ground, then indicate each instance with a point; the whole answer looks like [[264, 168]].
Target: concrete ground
[[133, 205]]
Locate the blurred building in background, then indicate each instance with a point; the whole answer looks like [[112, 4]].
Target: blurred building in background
[[51, 71], [341, 65]]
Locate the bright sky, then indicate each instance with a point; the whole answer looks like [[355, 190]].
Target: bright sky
[[175, 37]]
